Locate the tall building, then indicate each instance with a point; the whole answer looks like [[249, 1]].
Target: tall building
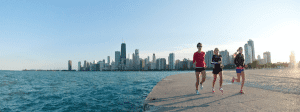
[[171, 60], [154, 60], [267, 57], [117, 59], [248, 54], [70, 65], [177, 64], [137, 59], [108, 60], [79, 66], [251, 43], [225, 57], [208, 58], [292, 63], [85, 65], [123, 53], [163, 63]]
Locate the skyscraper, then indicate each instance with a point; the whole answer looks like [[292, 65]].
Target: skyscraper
[[292, 63], [248, 54], [267, 56], [70, 65], [84, 65], [208, 58], [137, 59], [79, 66], [108, 60], [153, 58], [123, 53], [171, 61], [251, 43], [225, 57], [117, 59]]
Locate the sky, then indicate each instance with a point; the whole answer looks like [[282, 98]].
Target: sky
[[37, 34]]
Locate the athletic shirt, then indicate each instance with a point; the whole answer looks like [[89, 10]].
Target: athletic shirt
[[239, 61], [199, 58], [215, 60]]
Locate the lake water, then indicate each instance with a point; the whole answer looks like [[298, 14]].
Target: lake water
[[77, 91], [111, 91]]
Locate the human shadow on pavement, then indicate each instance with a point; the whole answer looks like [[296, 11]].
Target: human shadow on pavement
[[162, 108]]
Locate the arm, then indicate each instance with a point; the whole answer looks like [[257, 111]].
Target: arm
[[212, 61], [194, 61]]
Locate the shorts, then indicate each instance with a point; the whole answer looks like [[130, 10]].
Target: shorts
[[216, 71], [239, 70], [199, 69]]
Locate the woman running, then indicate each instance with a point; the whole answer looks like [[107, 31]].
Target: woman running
[[199, 61], [216, 61], [240, 66]]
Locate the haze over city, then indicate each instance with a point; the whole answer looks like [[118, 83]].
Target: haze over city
[[45, 34]]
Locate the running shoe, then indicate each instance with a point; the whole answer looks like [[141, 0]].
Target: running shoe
[[201, 86], [242, 92], [232, 81], [213, 90], [197, 92], [221, 90]]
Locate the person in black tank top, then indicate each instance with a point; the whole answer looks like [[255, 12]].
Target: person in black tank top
[[217, 69]]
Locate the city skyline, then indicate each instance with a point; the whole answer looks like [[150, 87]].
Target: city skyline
[[45, 34]]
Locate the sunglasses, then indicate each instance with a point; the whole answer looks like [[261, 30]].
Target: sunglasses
[[199, 46]]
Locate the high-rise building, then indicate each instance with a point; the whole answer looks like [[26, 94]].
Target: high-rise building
[[108, 60], [248, 54], [171, 60], [267, 57], [117, 59], [79, 66], [225, 57], [137, 56], [154, 60], [85, 65], [163, 63], [251, 43], [123, 53], [292, 63], [208, 58], [70, 65], [177, 64]]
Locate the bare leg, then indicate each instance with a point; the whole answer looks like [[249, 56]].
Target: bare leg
[[215, 78], [243, 79], [221, 79], [238, 77], [203, 73], [197, 80]]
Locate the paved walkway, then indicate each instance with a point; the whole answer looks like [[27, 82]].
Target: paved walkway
[[176, 93]]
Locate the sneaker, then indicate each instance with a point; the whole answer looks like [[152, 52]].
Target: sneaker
[[242, 92], [213, 90], [197, 92], [221, 90], [201, 86], [232, 81]]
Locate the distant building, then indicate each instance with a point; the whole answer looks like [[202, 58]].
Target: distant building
[[171, 60], [267, 57], [225, 57], [163, 63], [137, 59], [177, 66], [117, 59], [79, 66], [70, 65], [108, 60], [208, 58], [292, 63], [85, 65], [251, 43], [123, 55], [248, 54]]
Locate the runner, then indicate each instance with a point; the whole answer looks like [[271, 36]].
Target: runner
[[216, 61], [240, 66], [199, 62]]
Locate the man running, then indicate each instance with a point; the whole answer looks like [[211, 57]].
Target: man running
[[216, 61], [199, 61], [240, 66]]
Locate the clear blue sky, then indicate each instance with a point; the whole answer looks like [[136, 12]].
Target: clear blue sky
[[39, 34]]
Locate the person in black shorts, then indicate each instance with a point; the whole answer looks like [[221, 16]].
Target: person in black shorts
[[199, 62], [217, 69]]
